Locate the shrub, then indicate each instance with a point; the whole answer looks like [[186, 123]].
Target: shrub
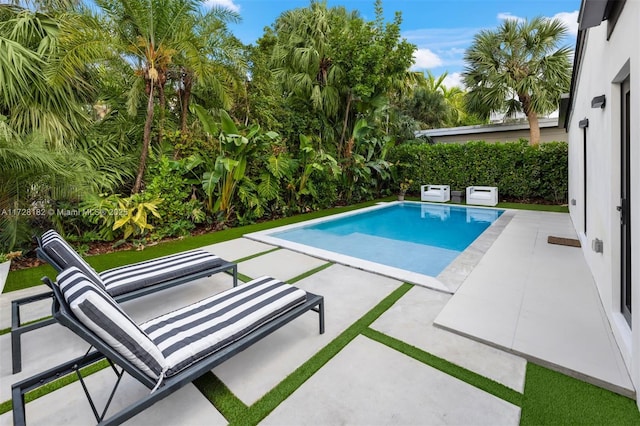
[[178, 211], [519, 170]]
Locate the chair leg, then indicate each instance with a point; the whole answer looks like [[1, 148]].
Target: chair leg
[[17, 329], [235, 275], [320, 310]]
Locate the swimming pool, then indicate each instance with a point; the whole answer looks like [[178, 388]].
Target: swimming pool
[[420, 238]]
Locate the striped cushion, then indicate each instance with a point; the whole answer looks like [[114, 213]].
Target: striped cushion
[[64, 255], [133, 277], [100, 313], [193, 332]]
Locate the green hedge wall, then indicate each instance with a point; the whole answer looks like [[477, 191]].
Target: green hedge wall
[[520, 171]]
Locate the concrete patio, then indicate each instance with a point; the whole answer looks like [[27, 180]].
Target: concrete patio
[[520, 299]]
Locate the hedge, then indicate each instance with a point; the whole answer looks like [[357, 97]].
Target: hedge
[[520, 171]]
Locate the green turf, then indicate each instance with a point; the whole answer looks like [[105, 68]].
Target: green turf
[[551, 398], [262, 253], [220, 396], [309, 273], [535, 207], [447, 367]]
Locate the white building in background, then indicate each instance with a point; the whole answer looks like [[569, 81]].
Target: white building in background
[[602, 117]]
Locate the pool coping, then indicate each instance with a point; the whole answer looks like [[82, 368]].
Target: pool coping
[[447, 281]]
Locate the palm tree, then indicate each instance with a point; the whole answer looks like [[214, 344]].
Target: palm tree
[[36, 95], [146, 32], [209, 57], [518, 68], [302, 60]]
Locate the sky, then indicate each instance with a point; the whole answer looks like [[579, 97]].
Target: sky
[[441, 29]]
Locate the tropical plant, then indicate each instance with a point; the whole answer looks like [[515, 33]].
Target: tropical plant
[[339, 65], [180, 210], [518, 68], [37, 95], [236, 147], [135, 210]]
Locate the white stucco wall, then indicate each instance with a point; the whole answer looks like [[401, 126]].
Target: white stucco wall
[[603, 65]]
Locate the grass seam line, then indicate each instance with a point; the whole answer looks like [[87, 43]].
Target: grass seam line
[[474, 379], [220, 396], [252, 256], [309, 273], [265, 405]]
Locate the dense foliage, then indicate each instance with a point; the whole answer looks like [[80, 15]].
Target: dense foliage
[[142, 119], [520, 171]]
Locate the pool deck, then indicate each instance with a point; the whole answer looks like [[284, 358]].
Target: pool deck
[[516, 298]]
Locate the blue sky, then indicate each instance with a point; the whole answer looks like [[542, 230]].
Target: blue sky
[[441, 29]]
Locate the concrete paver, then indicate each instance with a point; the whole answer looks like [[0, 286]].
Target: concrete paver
[[410, 320], [280, 264], [369, 383], [348, 295], [239, 248], [539, 300]]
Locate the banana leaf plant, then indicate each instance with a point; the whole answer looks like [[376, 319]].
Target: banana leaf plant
[[237, 146]]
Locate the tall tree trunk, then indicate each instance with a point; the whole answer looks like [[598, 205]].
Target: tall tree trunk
[[146, 139], [344, 124], [185, 97], [162, 79], [534, 128], [532, 117]]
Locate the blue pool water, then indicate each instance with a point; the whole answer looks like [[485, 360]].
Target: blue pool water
[[422, 238]]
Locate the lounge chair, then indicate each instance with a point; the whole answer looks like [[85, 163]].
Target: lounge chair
[[482, 195], [435, 193], [122, 283], [172, 350]]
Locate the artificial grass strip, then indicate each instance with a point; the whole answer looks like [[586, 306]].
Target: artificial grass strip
[[30, 277], [552, 398], [56, 384], [262, 253], [535, 207], [244, 278], [229, 405], [309, 273], [284, 389], [494, 388]]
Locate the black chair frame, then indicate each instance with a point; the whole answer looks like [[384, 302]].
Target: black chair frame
[[63, 315], [18, 329]]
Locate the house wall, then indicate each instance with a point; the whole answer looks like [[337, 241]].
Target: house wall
[[548, 134], [603, 66]]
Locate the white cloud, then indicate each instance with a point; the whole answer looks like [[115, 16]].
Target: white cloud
[[439, 47], [425, 58], [226, 4], [453, 80], [570, 20], [503, 16]]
